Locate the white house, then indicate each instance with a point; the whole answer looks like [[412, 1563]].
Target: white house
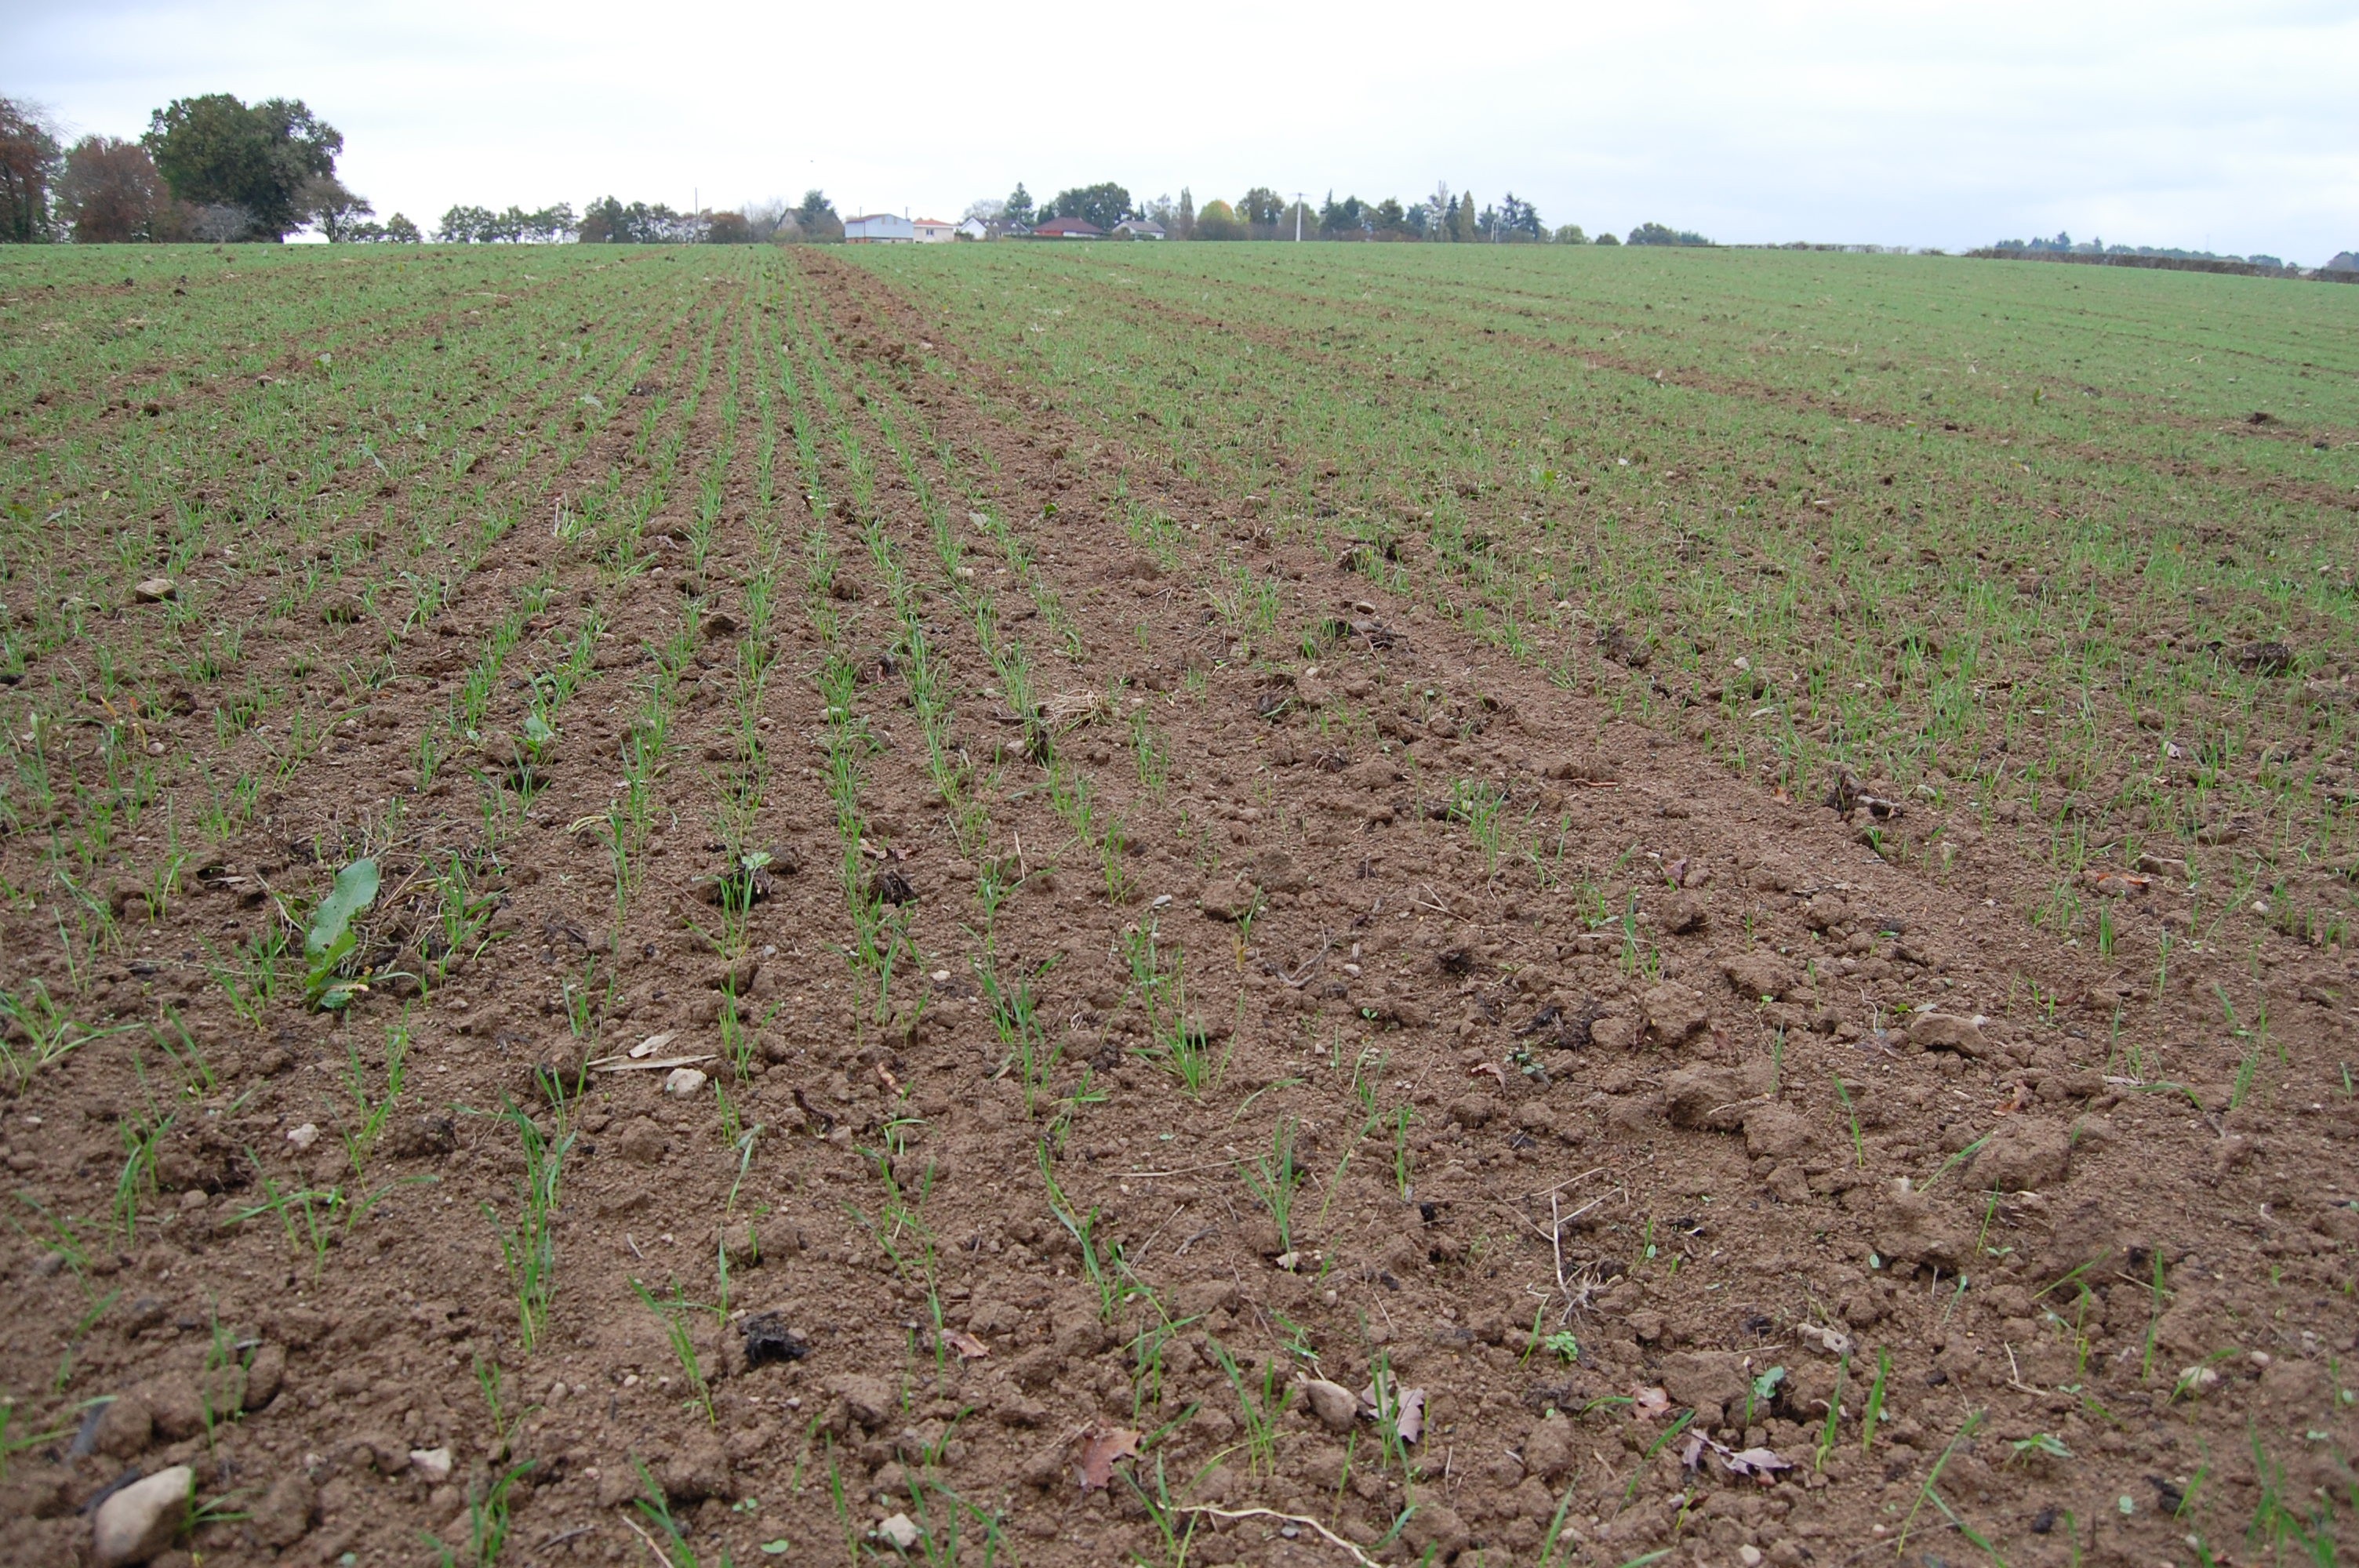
[[975, 228], [932, 230], [1139, 229], [878, 228]]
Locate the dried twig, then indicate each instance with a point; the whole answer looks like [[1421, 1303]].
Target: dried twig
[[1332, 1539]]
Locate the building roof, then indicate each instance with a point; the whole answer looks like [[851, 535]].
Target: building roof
[[931, 222], [1068, 226]]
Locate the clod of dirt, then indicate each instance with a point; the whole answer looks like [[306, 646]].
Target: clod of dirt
[[288, 1511], [2025, 1155], [1908, 1231], [1550, 1449], [768, 1339], [2265, 658], [1949, 1032], [1708, 1380], [1756, 975], [892, 886], [155, 591], [1683, 913], [866, 1401], [120, 1428], [1673, 1013], [1772, 1132], [135, 1523]]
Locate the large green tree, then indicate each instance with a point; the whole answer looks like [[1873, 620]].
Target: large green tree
[[215, 151], [1104, 204]]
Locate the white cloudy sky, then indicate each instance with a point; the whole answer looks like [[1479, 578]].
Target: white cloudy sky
[[2229, 127]]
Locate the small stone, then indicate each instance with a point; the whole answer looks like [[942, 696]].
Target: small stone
[[1947, 1031], [899, 1532], [1749, 1555], [141, 1519], [682, 1082], [1335, 1406], [155, 591], [303, 1137], [434, 1464]]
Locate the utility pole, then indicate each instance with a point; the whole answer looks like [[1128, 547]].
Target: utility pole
[[1298, 217]]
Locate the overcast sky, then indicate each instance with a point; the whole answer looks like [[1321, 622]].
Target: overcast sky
[[2228, 127]]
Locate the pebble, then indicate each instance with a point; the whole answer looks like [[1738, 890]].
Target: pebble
[[141, 1519], [1335, 1406], [683, 1082], [303, 1137], [155, 590], [433, 1463], [899, 1532]]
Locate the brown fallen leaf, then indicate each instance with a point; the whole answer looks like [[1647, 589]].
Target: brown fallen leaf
[[1407, 1408], [1409, 1421], [1498, 1074], [1099, 1450], [1761, 1463], [969, 1348], [1648, 1403]]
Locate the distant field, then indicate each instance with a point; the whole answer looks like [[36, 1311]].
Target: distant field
[[2024, 537], [1177, 905]]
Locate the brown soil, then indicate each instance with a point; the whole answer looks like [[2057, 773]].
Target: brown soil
[[2030, 1201]]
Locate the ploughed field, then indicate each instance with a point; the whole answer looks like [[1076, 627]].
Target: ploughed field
[[1196, 904]]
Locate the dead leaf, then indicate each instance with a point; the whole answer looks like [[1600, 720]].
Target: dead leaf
[[1099, 1450], [1409, 1421], [651, 1045], [1407, 1408], [1832, 1341], [1756, 1462], [969, 1348], [1498, 1074], [1646, 1404]]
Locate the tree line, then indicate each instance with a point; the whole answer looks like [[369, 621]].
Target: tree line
[[1261, 214], [215, 168]]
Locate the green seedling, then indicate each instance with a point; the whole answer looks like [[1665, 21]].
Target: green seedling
[[1875, 1412], [529, 1245], [1274, 1178], [331, 939], [674, 1313]]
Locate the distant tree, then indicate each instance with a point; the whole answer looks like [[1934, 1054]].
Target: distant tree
[[1218, 221], [31, 166], [1261, 210], [1520, 220], [110, 194], [1018, 209], [1104, 204], [1663, 234], [465, 226], [815, 219], [1571, 234], [216, 151], [1386, 220], [988, 209], [327, 205], [400, 230], [221, 224], [1462, 222], [1607, 238], [1345, 220], [728, 229], [1184, 228]]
